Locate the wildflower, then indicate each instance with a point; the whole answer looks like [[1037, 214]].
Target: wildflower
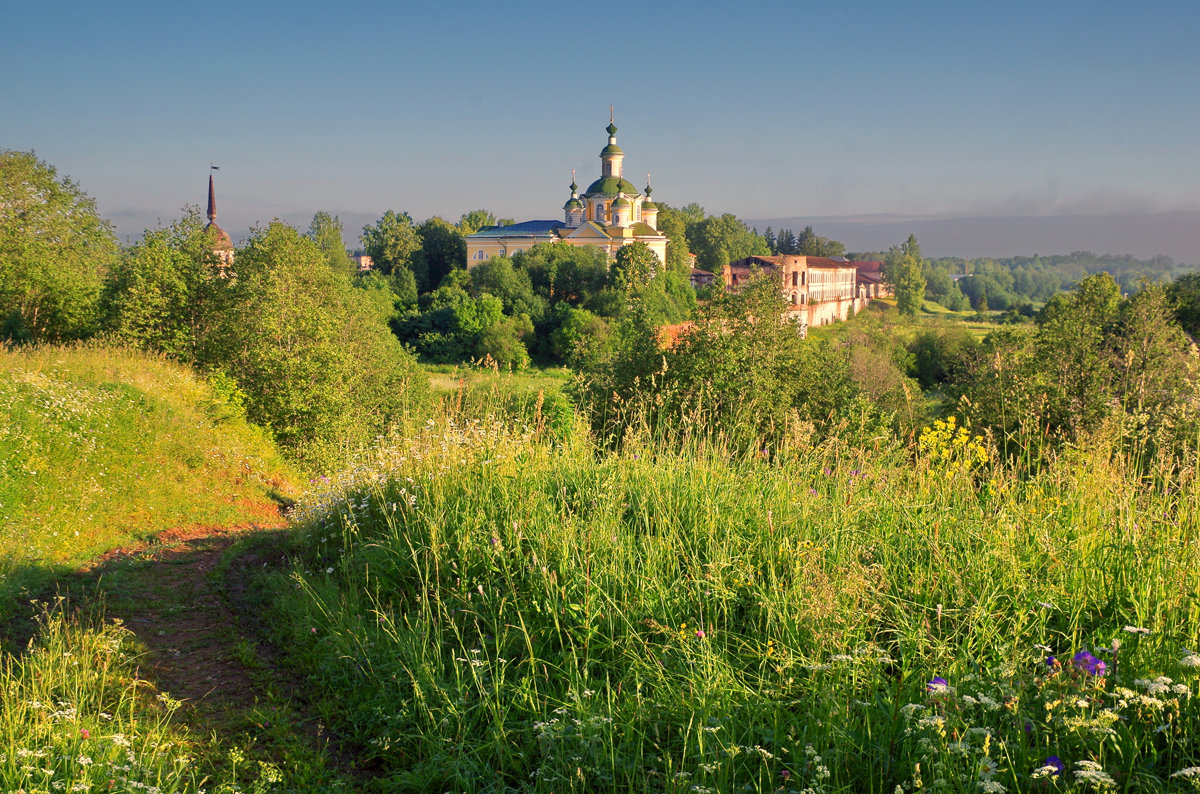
[[84, 733], [700, 634], [1137, 630], [1191, 773], [937, 686], [1087, 663], [988, 768], [1190, 659], [1053, 663]]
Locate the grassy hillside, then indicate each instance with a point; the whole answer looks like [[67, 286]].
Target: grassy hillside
[[483, 611], [101, 447]]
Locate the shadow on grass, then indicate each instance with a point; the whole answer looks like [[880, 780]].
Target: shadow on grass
[[196, 602]]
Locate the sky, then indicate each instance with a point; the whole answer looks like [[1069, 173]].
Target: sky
[[866, 118]]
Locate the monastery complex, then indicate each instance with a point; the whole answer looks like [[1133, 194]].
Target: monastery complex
[[819, 290], [610, 214]]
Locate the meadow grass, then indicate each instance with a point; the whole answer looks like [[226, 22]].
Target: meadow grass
[[100, 447], [481, 610], [75, 716]]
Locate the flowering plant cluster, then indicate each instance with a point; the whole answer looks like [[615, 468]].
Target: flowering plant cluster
[[1076, 722], [952, 448]]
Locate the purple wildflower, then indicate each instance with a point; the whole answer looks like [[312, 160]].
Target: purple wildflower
[[1089, 664], [827, 471], [700, 634], [1053, 663], [1057, 763], [937, 685]]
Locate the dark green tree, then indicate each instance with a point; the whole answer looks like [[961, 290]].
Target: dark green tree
[[312, 354], [499, 277], [391, 242], [442, 250], [1184, 297], [55, 250], [634, 267], [326, 231], [169, 292], [719, 240], [902, 272], [561, 271], [673, 224]]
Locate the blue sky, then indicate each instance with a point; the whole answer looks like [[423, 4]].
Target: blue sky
[[767, 110]]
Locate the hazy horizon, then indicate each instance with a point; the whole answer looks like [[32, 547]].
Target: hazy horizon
[[768, 110]]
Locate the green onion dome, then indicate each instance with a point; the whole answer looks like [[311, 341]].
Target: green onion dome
[[573, 204], [610, 185]]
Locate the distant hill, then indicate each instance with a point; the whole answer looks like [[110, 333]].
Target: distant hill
[[1145, 235]]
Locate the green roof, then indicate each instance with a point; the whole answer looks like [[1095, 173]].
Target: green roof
[[573, 204], [645, 229], [611, 185], [612, 148], [622, 202]]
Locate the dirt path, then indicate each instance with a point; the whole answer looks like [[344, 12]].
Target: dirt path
[[171, 595], [194, 606]]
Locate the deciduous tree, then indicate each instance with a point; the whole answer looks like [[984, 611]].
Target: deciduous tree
[[326, 231], [55, 250], [902, 271], [391, 242]]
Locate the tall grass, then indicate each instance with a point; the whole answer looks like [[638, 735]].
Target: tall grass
[[75, 717], [485, 611]]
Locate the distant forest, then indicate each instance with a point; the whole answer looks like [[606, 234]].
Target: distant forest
[[1025, 282]]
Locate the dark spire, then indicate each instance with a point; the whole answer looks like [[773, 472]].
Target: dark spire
[[212, 200]]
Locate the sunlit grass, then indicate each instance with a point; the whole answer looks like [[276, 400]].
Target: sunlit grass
[[100, 447], [484, 611]]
